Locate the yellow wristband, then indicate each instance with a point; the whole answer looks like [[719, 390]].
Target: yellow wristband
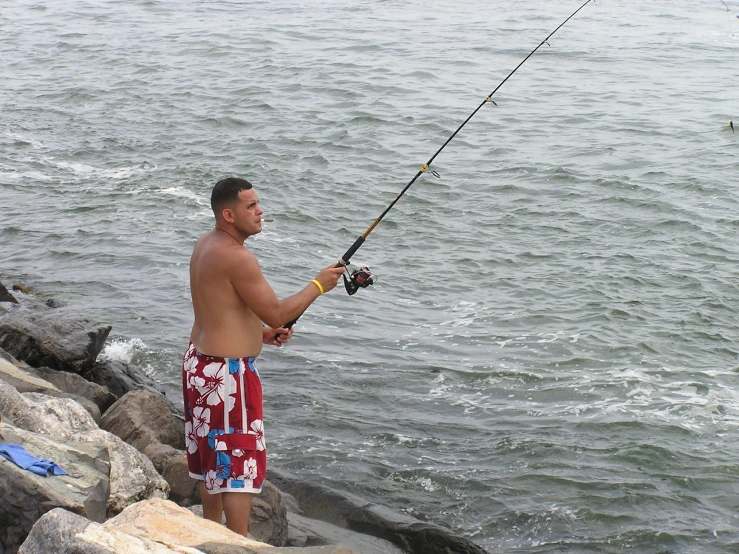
[[315, 282]]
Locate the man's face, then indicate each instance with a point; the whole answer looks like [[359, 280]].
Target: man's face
[[247, 213]]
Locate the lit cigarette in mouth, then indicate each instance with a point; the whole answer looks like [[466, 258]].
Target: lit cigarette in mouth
[[266, 220]]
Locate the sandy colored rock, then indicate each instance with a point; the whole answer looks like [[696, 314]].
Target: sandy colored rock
[[62, 532], [166, 522]]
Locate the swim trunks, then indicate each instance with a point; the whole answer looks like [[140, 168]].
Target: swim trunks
[[224, 434]]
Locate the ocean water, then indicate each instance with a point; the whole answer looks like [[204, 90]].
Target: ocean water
[[549, 360]]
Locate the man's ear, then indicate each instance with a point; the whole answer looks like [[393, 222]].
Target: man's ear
[[228, 215]]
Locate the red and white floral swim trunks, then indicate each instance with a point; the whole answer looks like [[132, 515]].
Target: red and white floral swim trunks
[[224, 434]]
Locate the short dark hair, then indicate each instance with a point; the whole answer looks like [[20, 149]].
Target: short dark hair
[[227, 191]]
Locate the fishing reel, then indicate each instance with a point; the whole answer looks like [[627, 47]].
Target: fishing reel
[[355, 279]]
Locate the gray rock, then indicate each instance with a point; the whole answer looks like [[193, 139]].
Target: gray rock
[[24, 379], [5, 295], [160, 454], [142, 418], [183, 489], [49, 381], [268, 521], [79, 386], [151, 527], [8, 357], [351, 512], [132, 476], [52, 338], [312, 532], [55, 532], [27, 496], [121, 377], [165, 522], [27, 379]]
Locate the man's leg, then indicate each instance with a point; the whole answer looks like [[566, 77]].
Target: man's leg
[[238, 508], [212, 504]]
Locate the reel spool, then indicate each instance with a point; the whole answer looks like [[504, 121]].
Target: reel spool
[[356, 279]]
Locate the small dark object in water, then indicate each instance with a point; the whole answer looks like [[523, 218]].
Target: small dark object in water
[[25, 289], [731, 124]]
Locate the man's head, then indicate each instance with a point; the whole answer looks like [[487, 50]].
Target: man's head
[[226, 193], [236, 207]]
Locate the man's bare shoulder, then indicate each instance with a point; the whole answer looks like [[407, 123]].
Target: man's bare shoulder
[[217, 249]]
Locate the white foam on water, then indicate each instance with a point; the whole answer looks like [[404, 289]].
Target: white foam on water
[[35, 143], [182, 192], [12, 173], [551, 337], [633, 394], [85, 171], [79, 169], [427, 484], [121, 350]]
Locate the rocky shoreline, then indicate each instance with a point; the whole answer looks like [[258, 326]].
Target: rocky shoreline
[[121, 440]]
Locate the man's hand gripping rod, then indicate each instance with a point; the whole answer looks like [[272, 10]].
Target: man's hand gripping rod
[[359, 278]]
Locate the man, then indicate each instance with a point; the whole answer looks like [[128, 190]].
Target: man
[[222, 391]]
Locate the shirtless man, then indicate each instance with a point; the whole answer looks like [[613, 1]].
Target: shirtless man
[[236, 311]]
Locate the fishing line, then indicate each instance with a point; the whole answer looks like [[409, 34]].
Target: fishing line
[[728, 9], [361, 278]]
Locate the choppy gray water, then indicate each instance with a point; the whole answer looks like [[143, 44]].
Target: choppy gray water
[[549, 361]]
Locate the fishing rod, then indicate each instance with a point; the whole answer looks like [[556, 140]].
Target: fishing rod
[[728, 9], [362, 277]]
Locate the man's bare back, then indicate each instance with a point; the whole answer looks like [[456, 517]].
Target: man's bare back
[[224, 325]]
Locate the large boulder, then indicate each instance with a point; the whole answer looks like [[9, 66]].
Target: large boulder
[[268, 521], [305, 531], [122, 377], [26, 496], [167, 523], [62, 532], [160, 455], [152, 527], [76, 385], [26, 380], [142, 418], [351, 512], [132, 475], [52, 338], [183, 489]]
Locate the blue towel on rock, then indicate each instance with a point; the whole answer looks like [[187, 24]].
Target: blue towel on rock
[[18, 455]]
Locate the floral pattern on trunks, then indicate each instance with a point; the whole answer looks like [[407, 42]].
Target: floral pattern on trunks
[[212, 386]]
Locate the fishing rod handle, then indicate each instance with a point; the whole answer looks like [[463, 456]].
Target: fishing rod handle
[[349, 253]]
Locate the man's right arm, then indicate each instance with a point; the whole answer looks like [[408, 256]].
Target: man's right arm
[[252, 287]]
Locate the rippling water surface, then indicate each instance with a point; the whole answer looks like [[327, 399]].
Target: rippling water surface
[[549, 360]]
